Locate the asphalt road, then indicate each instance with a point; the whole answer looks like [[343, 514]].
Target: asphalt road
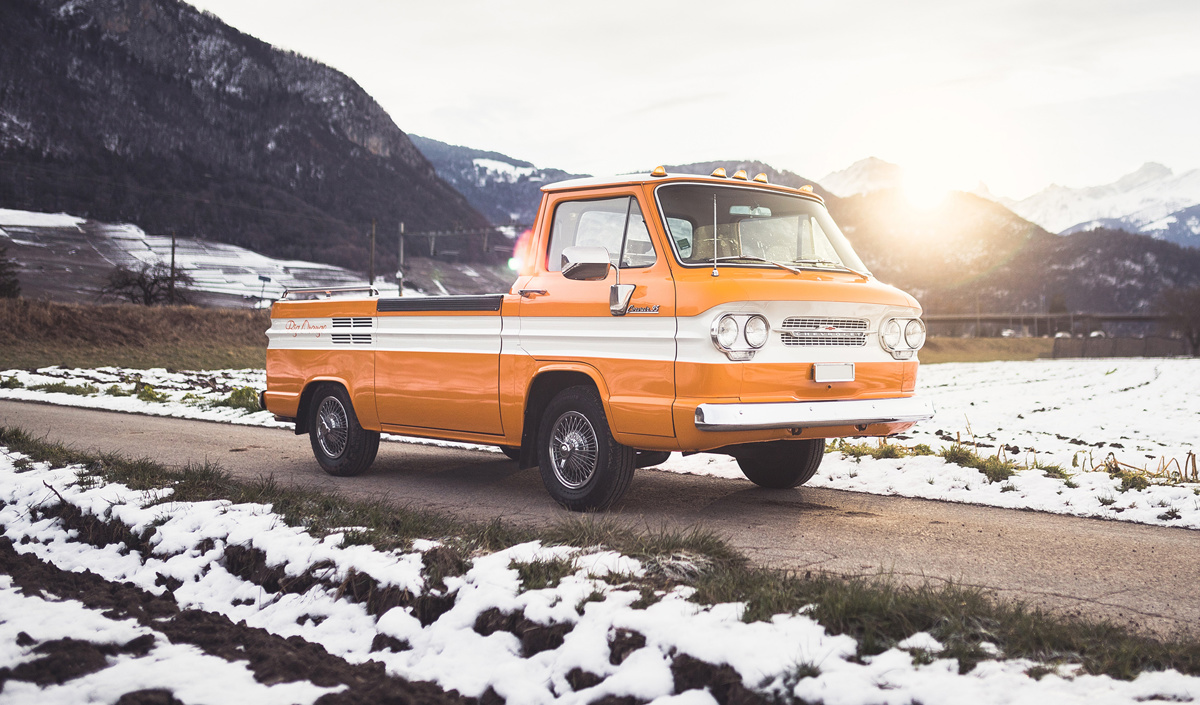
[[1140, 575]]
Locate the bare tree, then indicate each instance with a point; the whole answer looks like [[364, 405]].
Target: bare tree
[[1181, 308], [148, 285]]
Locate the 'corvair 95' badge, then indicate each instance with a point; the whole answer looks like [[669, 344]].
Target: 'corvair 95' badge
[[643, 309]]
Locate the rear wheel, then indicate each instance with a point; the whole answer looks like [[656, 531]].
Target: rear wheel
[[341, 446], [581, 464], [778, 465]]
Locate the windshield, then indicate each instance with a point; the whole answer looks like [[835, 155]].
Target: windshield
[[752, 224]]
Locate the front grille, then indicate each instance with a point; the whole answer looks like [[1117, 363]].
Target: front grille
[[352, 323], [824, 324], [824, 332], [807, 339], [351, 338]]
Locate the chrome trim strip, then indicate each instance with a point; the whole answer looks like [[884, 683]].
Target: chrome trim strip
[[806, 414]]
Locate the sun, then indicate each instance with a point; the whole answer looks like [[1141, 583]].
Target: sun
[[926, 186], [924, 195]]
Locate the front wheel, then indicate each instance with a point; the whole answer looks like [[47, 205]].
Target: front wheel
[[778, 465], [581, 464], [341, 446]]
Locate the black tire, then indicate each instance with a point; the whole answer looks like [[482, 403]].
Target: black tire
[[779, 465], [581, 465], [342, 447], [513, 452]]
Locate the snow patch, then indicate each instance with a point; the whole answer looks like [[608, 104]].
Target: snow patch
[[29, 219]]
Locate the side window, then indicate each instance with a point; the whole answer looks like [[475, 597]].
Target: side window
[[616, 224]]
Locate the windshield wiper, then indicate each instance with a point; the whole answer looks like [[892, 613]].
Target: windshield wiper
[[752, 258], [835, 265]]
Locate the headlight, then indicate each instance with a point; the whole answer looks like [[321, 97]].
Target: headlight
[[756, 332], [890, 334], [914, 334], [740, 335], [727, 332]]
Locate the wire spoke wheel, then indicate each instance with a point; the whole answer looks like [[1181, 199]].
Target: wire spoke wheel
[[582, 466], [574, 449], [332, 427]]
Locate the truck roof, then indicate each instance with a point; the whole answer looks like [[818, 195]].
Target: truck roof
[[660, 176]]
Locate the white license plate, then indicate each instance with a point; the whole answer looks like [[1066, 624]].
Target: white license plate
[[833, 372]]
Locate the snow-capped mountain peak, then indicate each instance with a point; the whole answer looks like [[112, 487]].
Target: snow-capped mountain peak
[[1147, 200], [863, 176]]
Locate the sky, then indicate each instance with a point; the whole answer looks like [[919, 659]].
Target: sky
[[1016, 94]]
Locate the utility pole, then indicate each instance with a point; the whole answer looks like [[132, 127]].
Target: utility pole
[[171, 282], [371, 280], [400, 263]]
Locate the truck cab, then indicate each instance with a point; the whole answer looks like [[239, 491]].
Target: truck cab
[[651, 314]]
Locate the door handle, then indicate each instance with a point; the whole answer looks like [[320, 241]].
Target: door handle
[[528, 293]]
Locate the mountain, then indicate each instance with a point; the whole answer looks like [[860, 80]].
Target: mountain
[[864, 176], [151, 112], [1181, 227], [504, 189], [775, 176], [1136, 200], [1096, 271]]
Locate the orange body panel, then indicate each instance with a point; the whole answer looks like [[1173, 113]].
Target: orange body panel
[[439, 390], [290, 371]]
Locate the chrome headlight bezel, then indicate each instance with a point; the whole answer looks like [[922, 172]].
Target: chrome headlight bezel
[[894, 336], [738, 348], [756, 323], [915, 333]]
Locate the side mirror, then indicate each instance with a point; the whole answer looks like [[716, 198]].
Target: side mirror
[[588, 264]]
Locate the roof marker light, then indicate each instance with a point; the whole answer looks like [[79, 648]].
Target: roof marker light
[[719, 172], [807, 188], [740, 174], [659, 171], [761, 178]]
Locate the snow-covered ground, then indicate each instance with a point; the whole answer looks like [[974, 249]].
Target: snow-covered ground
[[1071, 413], [185, 550], [234, 274]]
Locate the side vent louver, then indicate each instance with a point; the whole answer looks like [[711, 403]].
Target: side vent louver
[[351, 338], [352, 323]]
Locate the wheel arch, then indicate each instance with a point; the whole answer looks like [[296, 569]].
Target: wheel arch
[[547, 383], [303, 409]]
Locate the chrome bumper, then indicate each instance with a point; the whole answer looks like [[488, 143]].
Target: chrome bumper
[[810, 414]]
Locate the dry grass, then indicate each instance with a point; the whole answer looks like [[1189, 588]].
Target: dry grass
[[985, 349], [42, 333]]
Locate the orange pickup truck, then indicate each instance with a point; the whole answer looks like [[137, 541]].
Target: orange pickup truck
[[653, 313]]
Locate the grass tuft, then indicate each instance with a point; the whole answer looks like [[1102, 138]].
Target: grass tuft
[[145, 392], [536, 575], [245, 398], [80, 390], [880, 450], [995, 468]]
